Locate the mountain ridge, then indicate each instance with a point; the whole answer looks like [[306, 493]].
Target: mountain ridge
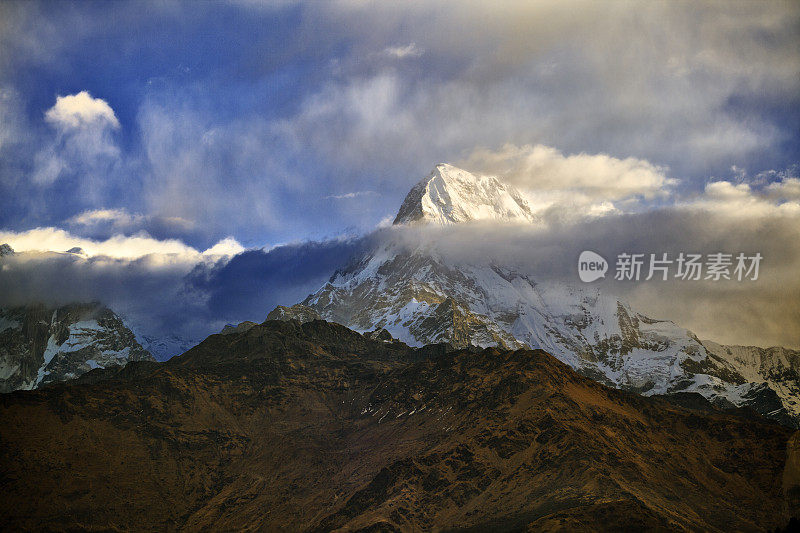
[[314, 427]]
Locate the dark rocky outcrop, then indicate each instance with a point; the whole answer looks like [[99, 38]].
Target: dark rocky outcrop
[[299, 312]]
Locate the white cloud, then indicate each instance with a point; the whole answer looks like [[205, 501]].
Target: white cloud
[[573, 186], [95, 216], [137, 246], [779, 199], [539, 167], [401, 52], [788, 189], [81, 110], [120, 220], [226, 247], [349, 195], [83, 146]]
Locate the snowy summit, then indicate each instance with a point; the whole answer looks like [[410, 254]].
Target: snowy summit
[[450, 195]]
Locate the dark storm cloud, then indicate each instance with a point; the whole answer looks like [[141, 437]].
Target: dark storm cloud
[[165, 294], [252, 283]]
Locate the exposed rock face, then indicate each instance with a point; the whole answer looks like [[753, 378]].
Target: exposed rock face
[[380, 335], [421, 298], [313, 427], [41, 345], [299, 312], [241, 328]]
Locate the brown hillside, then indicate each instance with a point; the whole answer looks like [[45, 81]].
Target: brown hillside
[[314, 427]]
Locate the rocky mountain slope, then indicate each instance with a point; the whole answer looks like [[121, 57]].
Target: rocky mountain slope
[[41, 345], [165, 346], [776, 367], [313, 427], [420, 298]]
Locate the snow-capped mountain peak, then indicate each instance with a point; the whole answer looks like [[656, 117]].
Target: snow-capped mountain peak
[[420, 297], [450, 195]]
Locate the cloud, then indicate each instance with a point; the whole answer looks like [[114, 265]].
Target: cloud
[[117, 246], [601, 176], [787, 189], [105, 216], [227, 246], [401, 52], [103, 223], [13, 127], [573, 186], [83, 148], [252, 283], [215, 175], [167, 294], [741, 201], [349, 195], [543, 73], [587, 183], [81, 110]]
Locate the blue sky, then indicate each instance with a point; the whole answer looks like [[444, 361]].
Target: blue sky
[[257, 120], [129, 128]]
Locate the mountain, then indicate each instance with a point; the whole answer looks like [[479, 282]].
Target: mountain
[[449, 195], [776, 367], [297, 312], [241, 327], [419, 298], [165, 346], [314, 427], [40, 345]]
